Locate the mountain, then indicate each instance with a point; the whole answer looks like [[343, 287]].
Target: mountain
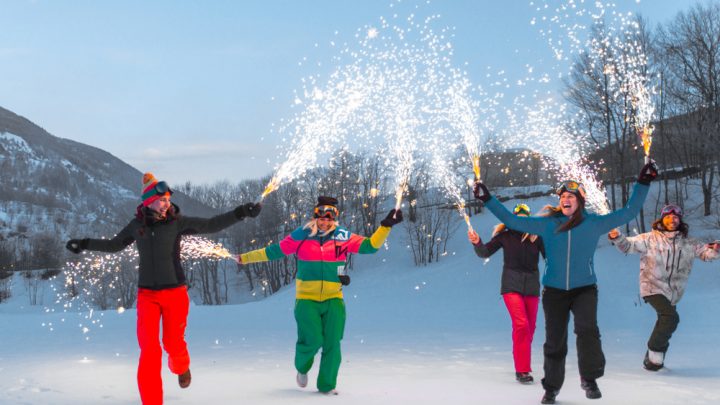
[[52, 188]]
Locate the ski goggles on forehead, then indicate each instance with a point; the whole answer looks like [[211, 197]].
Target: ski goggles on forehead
[[671, 209], [571, 186], [521, 209], [326, 211], [159, 189]]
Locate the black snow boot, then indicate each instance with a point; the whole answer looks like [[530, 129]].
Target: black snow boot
[[591, 388], [524, 378], [549, 397]]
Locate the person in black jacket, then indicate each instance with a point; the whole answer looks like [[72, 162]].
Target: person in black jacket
[[157, 230], [520, 286]]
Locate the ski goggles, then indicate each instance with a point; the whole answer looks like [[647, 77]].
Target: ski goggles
[[671, 209], [326, 211], [521, 209], [571, 186], [159, 189]]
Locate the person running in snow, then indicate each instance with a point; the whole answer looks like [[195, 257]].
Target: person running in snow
[[666, 258], [157, 230], [520, 286], [570, 235], [322, 249]]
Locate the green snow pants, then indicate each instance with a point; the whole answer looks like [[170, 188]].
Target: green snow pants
[[320, 324]]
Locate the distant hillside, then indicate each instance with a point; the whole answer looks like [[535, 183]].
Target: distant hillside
[[53, 187]]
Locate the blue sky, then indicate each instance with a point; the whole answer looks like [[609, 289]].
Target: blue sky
[[190, 89]]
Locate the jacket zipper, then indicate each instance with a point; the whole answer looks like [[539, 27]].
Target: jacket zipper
[[567, 271], [672, 270]]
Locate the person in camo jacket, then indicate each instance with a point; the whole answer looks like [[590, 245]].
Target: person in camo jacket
[[520, 285], [666, 258], [322, 249], [157, 230]]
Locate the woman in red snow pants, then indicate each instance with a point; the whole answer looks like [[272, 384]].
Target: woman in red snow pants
[[157, 230], [520, 285]]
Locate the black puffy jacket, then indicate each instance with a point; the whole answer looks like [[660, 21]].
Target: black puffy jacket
[[158, 243], [520, 261]]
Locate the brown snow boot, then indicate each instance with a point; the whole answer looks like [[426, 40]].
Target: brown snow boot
[[184, 379]]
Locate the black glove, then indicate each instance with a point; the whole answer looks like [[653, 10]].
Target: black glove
[[76, 245], [248, 210], [344, 280], [392, 218], [648, 173], [481, 192]]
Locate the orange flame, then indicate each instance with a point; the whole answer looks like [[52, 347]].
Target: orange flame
[[476, 166]]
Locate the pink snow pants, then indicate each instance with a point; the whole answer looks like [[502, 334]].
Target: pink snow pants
[[523, 313], [172, 307]]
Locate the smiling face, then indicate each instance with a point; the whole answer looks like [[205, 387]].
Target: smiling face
[[671, 222], [568, 203], [324, 224], [161, 205]]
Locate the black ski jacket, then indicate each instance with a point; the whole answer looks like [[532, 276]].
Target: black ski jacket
[[520, 261], [158, 243]]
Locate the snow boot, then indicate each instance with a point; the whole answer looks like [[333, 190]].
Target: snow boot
[[301, 380], [524, 378], [549, 397], [184, 379], [653, 360], [591, 388]]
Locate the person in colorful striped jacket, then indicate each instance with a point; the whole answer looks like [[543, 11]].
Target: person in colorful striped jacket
[[322, 248]]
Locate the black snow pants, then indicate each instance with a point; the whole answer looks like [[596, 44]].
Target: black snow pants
[[667, 322], [557, 305]]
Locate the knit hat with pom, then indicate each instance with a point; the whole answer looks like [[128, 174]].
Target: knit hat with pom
[[153, 189]]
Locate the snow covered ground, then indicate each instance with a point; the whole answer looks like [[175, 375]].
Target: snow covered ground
[[438, 334]]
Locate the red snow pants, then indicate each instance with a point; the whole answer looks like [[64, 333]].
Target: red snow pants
[[523, 313], [171, 306]]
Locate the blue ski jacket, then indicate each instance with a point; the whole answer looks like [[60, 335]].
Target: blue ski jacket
[[569, 254]]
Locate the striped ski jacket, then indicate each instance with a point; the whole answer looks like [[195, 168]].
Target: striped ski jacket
[[320, 258]]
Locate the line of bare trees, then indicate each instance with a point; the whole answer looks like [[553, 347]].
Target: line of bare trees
[[684, 62]]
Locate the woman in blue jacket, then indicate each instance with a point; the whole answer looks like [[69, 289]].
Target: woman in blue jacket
[[570, 235]]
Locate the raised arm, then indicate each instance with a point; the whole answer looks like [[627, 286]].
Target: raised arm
[[533, 225], [624, 215], [363, 245], [484, 250]]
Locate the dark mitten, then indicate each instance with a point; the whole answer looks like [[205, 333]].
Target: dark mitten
[[76, 245], [248, 210], [392, 218], [481, 192], [648, 173], [344, 280]]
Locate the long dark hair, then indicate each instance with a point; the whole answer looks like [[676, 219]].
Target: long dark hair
[[683, 228], [575, 219]]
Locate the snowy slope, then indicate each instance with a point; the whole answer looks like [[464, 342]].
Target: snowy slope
[[438, 334]]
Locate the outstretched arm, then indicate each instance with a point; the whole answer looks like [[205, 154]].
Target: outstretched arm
[[626, 214], [707, 251], [275, 251], [123, 239], [629, 244], [192, 225]]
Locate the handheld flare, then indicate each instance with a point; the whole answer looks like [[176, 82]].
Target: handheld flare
[[476, 166]]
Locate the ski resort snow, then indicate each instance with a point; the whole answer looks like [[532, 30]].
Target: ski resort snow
[[414, 335]]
